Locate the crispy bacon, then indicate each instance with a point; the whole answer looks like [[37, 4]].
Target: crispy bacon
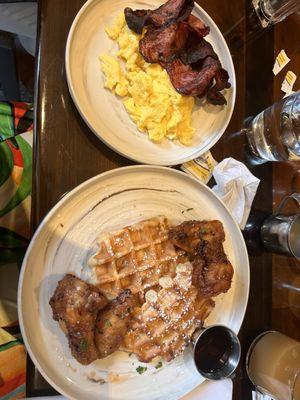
[[162, 44], [177, 10], [198, 26], [222, 78], [172, 10], [136, 20], [175, 39], [214, 95], [196, 49], [192, 82]]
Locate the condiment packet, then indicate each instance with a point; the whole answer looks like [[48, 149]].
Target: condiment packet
[[288, 83], [201, 167], [281, 61]]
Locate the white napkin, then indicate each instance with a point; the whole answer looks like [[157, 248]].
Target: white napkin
[[208, 390], [236, 186], [260, 396], [211, 390], [47, 398]]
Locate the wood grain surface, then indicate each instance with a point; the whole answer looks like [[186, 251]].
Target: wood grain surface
[[66, 153]]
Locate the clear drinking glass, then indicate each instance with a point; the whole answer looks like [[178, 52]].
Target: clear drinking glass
[[273, 366], [274, 134], [272, 11]]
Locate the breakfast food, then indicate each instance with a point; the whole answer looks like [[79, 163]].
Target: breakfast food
[[75, 305], [135, 258], [212, 272], [165, 323], [147, 93], [163, 63], [113, 323], [153, 285], [175, 38]]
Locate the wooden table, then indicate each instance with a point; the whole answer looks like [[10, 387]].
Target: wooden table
[[67, 153]]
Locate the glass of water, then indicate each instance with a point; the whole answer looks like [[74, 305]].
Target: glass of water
[[272, 11], [274, 134]]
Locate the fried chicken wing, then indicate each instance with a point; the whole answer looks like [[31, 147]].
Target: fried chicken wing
[[213, 272], [75, 305], [190, 234], [203, 240], [113, 323]]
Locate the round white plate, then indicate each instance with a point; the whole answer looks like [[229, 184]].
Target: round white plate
[[105, 114], [64, 242]]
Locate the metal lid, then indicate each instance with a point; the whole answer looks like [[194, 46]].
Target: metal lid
[[294, 237]]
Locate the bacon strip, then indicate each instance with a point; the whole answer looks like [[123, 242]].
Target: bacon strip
[[198, 26], [192, 82], [216, 98], [177, 10], [214, 95], [175, 40], [170, 11], [162, 44], [196, 49], [136, 20]]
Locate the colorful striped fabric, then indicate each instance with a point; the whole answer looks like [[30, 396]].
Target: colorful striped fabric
[[16, 123]]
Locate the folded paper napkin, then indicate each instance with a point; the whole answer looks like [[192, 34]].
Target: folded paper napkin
[[211, 390], [236, 187], [208, 390], [259, 396]]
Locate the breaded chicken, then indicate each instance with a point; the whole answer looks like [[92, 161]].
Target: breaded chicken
[[113, 323], [75, 305], [189, 235], [213, 272], [203, 240]]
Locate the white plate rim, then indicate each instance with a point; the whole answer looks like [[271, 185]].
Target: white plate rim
[[64, 199], [110, 145]]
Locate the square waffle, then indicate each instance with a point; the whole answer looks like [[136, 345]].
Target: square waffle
[[135, 258], [164, 324]]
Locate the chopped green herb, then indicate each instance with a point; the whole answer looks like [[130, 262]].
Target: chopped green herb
[[203, 230], [83, 345], [141, 369], [158, 365], [108, 323], [186, 210]]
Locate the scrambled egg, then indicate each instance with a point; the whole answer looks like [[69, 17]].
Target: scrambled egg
[[146, 90]]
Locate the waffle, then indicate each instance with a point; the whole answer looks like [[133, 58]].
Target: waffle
[[135, 258], [164, 324]]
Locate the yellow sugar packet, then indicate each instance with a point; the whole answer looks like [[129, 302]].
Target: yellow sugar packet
[[288, 82], [201, 167], [281, 61]]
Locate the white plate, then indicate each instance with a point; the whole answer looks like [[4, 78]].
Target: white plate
[[104, 113], [63, 243]]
